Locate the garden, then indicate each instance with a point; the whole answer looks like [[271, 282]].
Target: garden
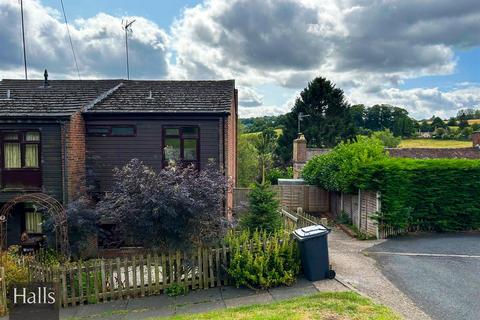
[[176, 220]]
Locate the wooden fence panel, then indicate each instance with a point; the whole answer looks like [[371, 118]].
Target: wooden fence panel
[[3, 292], [309, 198]]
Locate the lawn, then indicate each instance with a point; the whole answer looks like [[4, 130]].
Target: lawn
[[338, 305], [434, 143]]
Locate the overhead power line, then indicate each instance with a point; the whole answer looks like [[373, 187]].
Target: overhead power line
[[70, 39]]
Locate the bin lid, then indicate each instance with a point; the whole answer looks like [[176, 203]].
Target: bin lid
[[311, 232]]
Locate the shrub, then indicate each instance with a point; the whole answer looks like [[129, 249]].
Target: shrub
[[15, 270], [259, 261], [338, 169], [174, 208], [83, 221], [429, 194], [176, 289], [387, 138], [279, 173], [263, 210]]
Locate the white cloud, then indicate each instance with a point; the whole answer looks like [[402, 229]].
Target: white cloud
[[99, 44], [367, 47]]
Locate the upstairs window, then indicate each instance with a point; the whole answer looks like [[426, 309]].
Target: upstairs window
[[111, 130], [20, 159], [21, 150], [181, 144]]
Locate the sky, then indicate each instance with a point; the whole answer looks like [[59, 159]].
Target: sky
[[422, 55]]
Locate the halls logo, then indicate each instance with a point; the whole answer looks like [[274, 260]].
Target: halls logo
[[41, 296], [33, 301]]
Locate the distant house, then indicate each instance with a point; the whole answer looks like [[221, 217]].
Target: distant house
[[51, 131], [301, 153]]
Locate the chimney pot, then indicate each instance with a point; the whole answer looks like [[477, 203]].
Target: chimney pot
[[8, 94]]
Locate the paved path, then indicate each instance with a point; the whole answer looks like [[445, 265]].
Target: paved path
[[194, 302], [439, 271], [361, 272]]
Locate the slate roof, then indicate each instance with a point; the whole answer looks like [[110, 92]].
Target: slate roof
[[169, 96], [65, 97], [61, 98], [435, 153]]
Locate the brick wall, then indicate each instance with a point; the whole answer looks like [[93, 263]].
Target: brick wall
[[231, 151], [75, 145]]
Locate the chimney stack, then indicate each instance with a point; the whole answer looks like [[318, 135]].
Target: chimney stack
[[476, 139], [9, 95], [299, 155], [45, 81]]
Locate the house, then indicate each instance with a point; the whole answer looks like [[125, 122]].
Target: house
[[52, 131], [301, 153]]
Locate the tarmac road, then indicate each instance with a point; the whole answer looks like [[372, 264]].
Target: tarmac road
[[439, 272]]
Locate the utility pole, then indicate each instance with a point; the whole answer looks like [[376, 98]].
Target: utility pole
[[127, 26], [23, 41]]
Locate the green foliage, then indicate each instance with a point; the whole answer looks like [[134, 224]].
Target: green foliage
[[279, 173], [438, 123], [15, 271], [383, 116], [176, 289], [260, 260], [265, 143], [258, 124], [338, 169], [329, 121], [263, 210], [344, 218], [387, 138], [429, 194], [248, 166]]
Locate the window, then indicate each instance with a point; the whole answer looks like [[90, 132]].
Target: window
[[21, 150], [181, 144], [33, 221], [112, 131], [20, 159]]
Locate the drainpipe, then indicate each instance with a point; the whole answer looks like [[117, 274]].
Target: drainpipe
[[65, 163]]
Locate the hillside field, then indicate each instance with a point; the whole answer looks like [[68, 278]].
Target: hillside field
[[434, 143]]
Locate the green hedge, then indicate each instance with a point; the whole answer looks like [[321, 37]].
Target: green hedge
[[431, 194]]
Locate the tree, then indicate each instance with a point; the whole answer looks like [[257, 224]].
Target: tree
[[339, 169], [358, 115], [329, 121], [174, 208], [387, 138], [452, 122], [265, 144], [248, 166], [425, 126], [263, 210], [437, 122], [463, 123]]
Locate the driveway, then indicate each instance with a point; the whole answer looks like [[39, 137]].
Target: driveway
[[439, 272]]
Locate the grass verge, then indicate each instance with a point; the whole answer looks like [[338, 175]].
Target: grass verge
[[331, 306]]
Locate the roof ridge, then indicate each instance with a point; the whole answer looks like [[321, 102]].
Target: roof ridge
[[101, 97]]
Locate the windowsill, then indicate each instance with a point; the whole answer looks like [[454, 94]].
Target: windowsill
[[27, 189]]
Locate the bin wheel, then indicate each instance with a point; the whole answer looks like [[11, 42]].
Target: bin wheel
[[331, 274]]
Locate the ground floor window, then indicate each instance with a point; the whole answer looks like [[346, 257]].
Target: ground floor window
[[33, 220]]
